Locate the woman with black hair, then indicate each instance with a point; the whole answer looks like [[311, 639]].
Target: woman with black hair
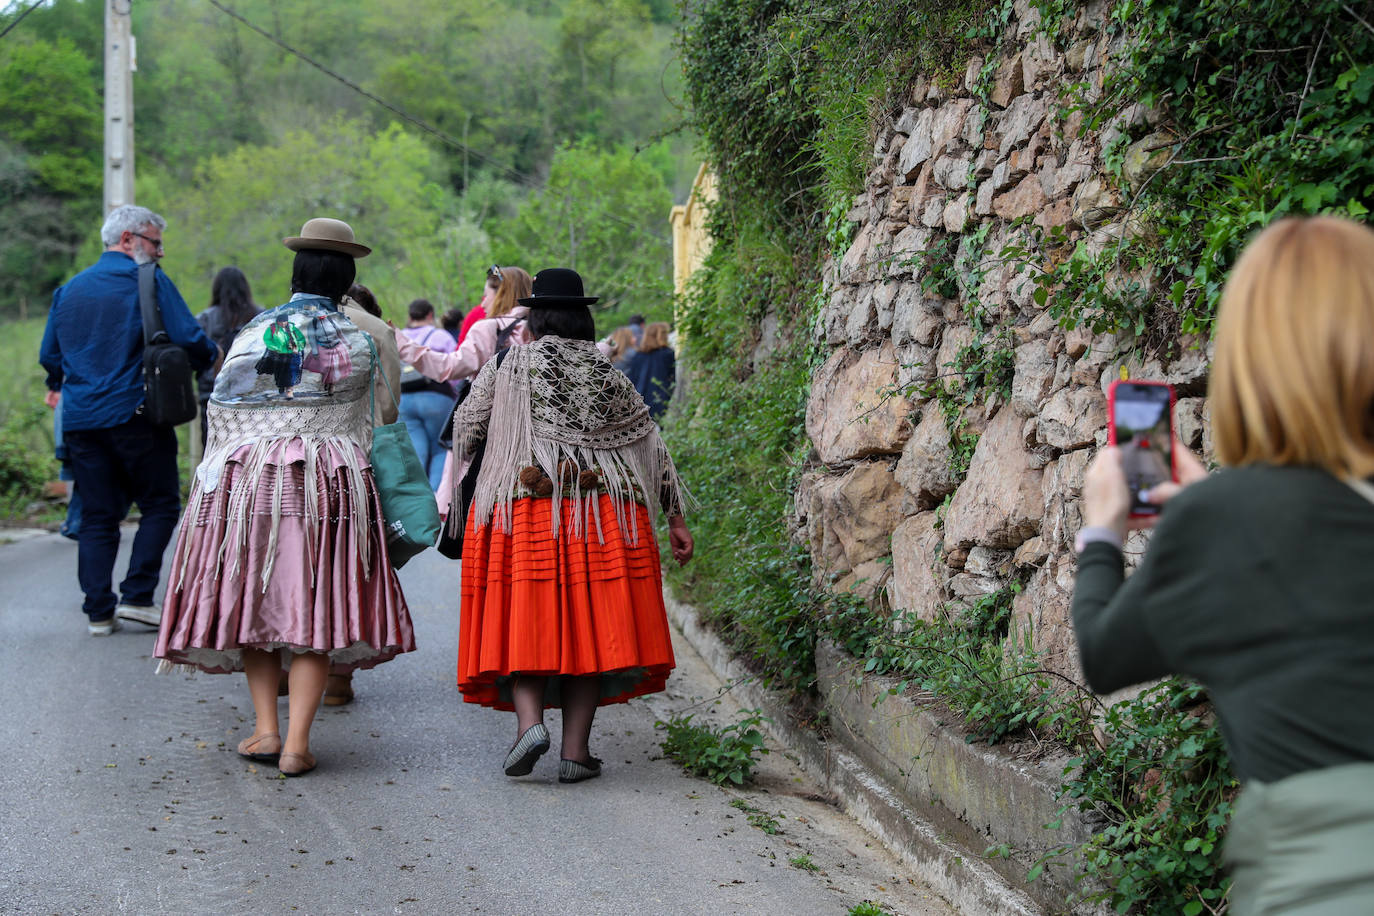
[[231, 307], [281, 554], [562, 592]]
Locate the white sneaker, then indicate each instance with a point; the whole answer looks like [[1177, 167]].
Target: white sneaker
[[139, 613], [102, 627]]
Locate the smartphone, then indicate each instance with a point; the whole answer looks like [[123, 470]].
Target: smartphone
[[1140, 419]]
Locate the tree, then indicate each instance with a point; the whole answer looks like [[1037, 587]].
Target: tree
[[50, 171], [605, 214], [241, 205]]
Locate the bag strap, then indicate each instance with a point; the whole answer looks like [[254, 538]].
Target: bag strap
[[504, 334], [153, 331], [1360, 486], [371, 386]]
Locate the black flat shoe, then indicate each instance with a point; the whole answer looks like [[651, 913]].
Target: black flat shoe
[[528, 748], [578, 770]]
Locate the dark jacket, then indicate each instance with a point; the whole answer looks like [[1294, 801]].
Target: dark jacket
[[654, 374], [214, 321], [1256, 583]]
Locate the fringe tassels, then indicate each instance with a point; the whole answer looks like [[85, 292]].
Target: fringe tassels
[[267, 463]]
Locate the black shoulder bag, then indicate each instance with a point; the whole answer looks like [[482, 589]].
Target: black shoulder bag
[[451, 545], [169, 385], [463, 386]]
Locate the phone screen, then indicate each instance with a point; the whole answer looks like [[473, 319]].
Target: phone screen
[[1140, 417]]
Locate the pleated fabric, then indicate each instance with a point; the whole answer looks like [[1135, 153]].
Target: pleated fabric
[[320, 594], [537, 604]]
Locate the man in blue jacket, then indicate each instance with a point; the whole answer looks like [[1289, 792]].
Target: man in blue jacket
[[93, 352]]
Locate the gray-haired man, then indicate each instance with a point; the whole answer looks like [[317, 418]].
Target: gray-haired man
[[93, 352]]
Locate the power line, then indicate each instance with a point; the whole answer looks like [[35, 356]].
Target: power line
[[32, 6], [528, 180], [423, 125]]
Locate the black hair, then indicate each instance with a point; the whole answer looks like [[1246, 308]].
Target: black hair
[[420, 309], [453, 321], [571, 321], [322, 273], [636, 319], [231, 292], [366, 301]]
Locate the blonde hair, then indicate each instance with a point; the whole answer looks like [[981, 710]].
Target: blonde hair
[[655, 336], [515, 285], [622, 341], [1293, 379]]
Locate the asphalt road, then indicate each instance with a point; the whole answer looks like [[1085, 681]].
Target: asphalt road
[[121, 792]]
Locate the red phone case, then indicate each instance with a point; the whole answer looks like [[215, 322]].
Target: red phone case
[[1111, 427]]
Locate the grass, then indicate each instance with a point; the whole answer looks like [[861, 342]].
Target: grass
[[757, 817], [26, 434]]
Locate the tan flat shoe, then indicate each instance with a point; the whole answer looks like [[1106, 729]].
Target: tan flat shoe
[[263, 747], [296, 764], [338, 690]]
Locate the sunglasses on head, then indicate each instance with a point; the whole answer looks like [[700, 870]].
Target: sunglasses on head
[[494, 272]]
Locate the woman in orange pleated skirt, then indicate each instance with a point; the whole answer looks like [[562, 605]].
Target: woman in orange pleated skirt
[[562, 592]]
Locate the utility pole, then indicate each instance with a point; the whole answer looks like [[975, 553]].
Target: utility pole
[[120, 63]]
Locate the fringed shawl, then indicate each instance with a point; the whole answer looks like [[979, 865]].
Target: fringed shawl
[[556, 404], [251, 420]]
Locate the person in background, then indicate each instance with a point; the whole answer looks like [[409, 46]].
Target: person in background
[[93, 352], [562, 592], [503, 327], [231, 307], [621, 349], [282, 552], [426, 403], [1257, 580], [452, 322], [653, 369], [71, 524], [636, 326], [480, 310], [361, 297]]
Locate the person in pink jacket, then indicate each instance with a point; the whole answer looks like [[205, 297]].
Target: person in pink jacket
[[504, 326]]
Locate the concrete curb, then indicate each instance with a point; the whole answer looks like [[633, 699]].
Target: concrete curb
[[958, 874]]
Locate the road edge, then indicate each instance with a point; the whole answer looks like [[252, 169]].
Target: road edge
[[957, 874]]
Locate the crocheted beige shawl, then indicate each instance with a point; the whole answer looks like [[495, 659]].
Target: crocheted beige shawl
[[557, 405]]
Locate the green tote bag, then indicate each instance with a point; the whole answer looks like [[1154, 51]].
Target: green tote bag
[[408, 506]]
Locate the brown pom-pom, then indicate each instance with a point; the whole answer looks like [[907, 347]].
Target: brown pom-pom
[[530, 476], [567, 470], [544, 487], [589, 480]]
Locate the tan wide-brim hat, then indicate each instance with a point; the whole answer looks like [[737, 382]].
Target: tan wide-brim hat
[[329, 235]]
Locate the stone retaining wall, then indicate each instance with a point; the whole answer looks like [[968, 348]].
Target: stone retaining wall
[[883, 510]]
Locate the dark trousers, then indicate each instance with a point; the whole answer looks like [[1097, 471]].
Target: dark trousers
[[133, 462]]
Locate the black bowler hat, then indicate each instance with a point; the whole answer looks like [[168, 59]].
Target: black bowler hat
[[557, 287]]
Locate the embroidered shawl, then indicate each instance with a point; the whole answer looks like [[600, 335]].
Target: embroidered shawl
[[326, 414], [558, 406]]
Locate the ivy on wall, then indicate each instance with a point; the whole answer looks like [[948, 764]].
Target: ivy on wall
[[1257, 109], [1248, 110], [785, 94]]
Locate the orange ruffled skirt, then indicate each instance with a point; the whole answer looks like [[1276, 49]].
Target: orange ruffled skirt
[[539, 605]]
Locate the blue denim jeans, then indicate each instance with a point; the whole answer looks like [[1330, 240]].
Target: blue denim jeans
[[424, 414], [133, 462]]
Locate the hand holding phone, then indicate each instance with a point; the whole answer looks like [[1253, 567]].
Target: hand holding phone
[[1140, 420]]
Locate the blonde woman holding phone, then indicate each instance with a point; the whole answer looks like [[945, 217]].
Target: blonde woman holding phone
[[1258, 580]]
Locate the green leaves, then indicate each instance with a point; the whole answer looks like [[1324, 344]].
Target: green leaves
[[602, 212], [1275, 119], [720, 755]]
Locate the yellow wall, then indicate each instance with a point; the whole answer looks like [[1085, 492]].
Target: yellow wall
[[691, 242]]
